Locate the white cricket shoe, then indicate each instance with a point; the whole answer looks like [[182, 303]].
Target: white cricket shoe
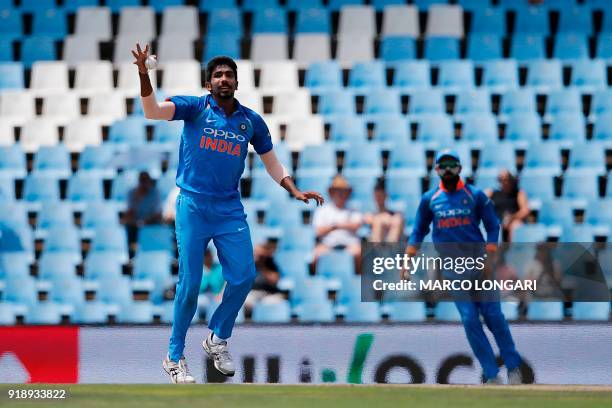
[[178, 372], [495, 381], [220, 355], [515, 377]]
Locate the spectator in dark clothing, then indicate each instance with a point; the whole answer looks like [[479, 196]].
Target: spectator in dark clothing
[[265, 288], [511, 204], [144, 206]]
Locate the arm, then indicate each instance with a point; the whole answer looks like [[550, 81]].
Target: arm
[[424, 216], [489, 219], [152, 109], [523, 205]]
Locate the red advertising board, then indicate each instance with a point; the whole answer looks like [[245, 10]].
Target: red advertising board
[[48, 354]]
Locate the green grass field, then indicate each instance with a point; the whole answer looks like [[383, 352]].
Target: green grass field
[[376, 396]]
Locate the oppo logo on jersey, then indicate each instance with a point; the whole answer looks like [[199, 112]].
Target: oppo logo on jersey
[[453, 212], [223, 134]]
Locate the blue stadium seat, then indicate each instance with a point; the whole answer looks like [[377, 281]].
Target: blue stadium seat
[[391, 131], [336, 5], [527, 47], [529, 233], [571, 46], [518, 101], [575, 20], [269, 20], [53, 161], [412, 75], [160, 5], [446, 312], [408, 159], [563, 101], [68, 291], [91, 312], [102, 264], [426, 102], [54, 266], [300, 237], [578, 233], [362, 158], [320, 312], [12, 162], [336, 264], [403, 187], [50, 23], [285, 214], [37, 49], [292, 263], [17, 238], [256, 5], [7, 314], [557, 212], [604, 44], [225, 21], [588, 156], [98, 159], [6, 51], [155, 238], [296, 5], [582, 311], [264, 189], [71, 6], [538, 184], [435, 130], [544, 75], [311, 289], [315, 182], [362, 185], [11, 25], [44, 313], [523, 129], [31, 6], [312, 20], [54, 214], [363, 312], [323, 76], [532, 20], [273, 312], [222, 44], [397, 48], [154, 266], [490, 20], [379, 103], [599, 213], [117, 5], [64, 239], [115, 290], [137, 312], [602, 5], [128, 132], [112, 239], [11, 75], [497, 156], [500, 75], [21, 290], [425, 4], [441, 48], [85, 187], [510, 309], [167, 134], [568, 128], [211, 5], [347, 130], [41, 188], [603, 128], [484, 47], [544, 156], [474, 5], [589, 75], [456, 76], [580, 185], [478, 129], [7, 188], [13, 213], [407, 311], [476, 101], [366, 76], [317, 160]]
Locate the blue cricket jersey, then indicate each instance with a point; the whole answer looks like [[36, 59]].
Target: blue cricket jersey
[[455, 216], [214, 146]]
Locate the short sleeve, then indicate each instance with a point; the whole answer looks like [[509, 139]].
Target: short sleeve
[[320, 217], [186, 107], [261, 140]]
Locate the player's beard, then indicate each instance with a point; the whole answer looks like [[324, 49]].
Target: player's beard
[[450, 180]]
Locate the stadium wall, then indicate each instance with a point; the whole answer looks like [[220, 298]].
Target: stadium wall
[[554, 354]]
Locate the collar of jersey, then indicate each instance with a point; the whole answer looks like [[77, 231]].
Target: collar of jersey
[[213, 104], [460, 185]]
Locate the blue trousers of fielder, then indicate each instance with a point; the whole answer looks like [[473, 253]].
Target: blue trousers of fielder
[[496, 322], [198, 220]]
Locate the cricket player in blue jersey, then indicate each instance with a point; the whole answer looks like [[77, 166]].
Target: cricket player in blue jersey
[[456, 209], [214, 146]]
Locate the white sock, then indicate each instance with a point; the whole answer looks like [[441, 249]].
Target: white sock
[[216, 339]]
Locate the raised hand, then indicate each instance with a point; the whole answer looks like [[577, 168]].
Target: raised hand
[[141, 57], [305, 196]]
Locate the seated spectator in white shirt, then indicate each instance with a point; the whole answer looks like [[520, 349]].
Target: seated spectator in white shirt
[[336, 226]]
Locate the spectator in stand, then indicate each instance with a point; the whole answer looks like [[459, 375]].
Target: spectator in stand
[[265, 287], [387, 225], [511, 204], [212, 277], [169, 210], [546, 271], [336, 225], [144, 206]]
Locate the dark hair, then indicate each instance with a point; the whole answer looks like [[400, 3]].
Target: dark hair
[[220, 60], [380, 185]]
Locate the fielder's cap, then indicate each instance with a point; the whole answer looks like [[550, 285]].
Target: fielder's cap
[[447, 154]]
